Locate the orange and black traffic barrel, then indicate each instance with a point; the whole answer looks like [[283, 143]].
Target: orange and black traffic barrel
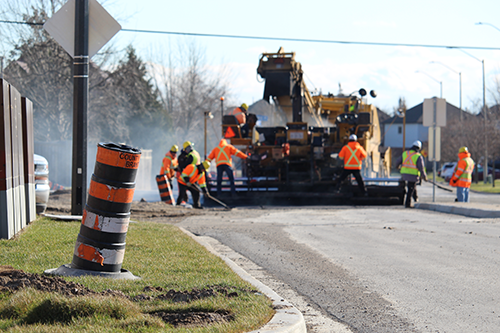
[[165, 189], [100, 245]]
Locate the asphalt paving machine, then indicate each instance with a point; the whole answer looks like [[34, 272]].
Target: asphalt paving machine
[[297, 161]]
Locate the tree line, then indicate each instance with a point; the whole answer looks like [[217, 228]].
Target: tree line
[[131, 101]]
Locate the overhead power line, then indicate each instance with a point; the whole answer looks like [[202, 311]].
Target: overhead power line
[[306, 40], [311, 40]]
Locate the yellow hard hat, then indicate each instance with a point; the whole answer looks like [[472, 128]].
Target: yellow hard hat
[[187, 144], [174, 149], [463, 150], [206, 164], [244, 106]]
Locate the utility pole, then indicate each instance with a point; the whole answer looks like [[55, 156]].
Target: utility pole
[[80, 105]]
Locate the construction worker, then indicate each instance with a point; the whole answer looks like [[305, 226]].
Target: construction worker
[[187, 156], [240, 113], [167, 174], [169, 163], [412, 168], [222, 156], [193, 179], [352, 154], [462, 175]]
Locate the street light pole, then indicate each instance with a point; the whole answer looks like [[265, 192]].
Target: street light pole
[[221, 108], [440, 82], [485, 166], [459, 85]]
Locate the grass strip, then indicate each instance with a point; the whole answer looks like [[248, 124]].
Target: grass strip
[[165, 259]]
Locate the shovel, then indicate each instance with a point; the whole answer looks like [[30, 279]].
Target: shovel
[[439, 186], [211, 197]]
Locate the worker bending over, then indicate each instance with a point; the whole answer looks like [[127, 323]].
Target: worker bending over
[[352, 154], [222, 156], [412, 168], [193, 179], [462, 175]]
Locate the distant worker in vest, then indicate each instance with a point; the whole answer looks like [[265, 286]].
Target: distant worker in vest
[[412, 170], [187, 156], [193, 179], [240, 113], [167, 174], [169, 163], [353, 155], [462, 175], [222, 156]]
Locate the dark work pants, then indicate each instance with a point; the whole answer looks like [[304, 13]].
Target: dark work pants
[[229, 172], [183, 195], [357, 175], [411, 192]]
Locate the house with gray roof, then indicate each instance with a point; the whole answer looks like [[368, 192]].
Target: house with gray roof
[[413, 128]]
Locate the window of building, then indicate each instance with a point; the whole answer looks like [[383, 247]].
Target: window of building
[[400, 129]]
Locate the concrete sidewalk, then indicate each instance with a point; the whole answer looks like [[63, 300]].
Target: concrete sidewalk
[[479, 210], [481, 205]]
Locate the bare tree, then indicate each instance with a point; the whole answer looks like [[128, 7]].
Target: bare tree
[[189, 88]]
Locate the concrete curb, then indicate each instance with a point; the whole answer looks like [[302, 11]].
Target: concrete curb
[[460, 210], [286, 319]]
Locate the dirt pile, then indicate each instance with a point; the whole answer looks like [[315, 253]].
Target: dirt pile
[[12, 280]]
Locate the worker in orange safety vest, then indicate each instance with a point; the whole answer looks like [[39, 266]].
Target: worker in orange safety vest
[[169, 163], [193, 179], [240, 113], [462, 175], [167, 173], [222, 156], [352, 154]]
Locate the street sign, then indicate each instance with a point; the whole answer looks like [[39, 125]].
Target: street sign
[[434, 156], [102, 27], [428, 112]]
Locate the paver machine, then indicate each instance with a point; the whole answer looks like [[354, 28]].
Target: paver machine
[[298, 159]]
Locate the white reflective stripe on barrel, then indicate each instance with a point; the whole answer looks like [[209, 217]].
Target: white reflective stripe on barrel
[[105, 223]]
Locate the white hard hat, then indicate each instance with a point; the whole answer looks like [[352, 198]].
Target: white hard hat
[[418, 144], [353, 137]]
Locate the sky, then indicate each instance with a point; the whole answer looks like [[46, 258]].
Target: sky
[[413, 73]]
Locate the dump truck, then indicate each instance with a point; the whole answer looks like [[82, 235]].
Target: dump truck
[[298, 160]]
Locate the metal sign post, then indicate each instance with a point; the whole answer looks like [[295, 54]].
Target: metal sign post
[[434, 115], [80, 105], [81, 27]]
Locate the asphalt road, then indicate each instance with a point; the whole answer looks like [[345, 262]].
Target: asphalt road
[[375, 269]]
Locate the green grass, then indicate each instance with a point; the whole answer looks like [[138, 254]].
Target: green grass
[[486, 188], [161, 254], [479, 187]]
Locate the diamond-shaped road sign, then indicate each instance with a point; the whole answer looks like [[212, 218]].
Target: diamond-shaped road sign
[[102, 27]]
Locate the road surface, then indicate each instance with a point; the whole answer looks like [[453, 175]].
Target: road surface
[[375, 269]]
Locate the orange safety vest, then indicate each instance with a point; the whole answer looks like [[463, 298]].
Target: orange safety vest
[[352, 154], [463, 171], [240, 115], [194, 176], [223, 152], [168, 165]]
